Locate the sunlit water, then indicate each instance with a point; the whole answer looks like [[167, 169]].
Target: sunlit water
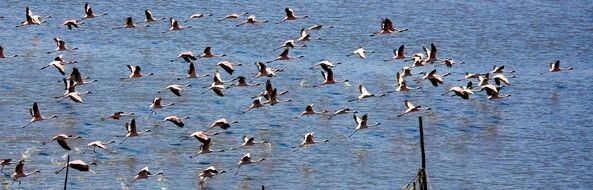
[[540, 137]]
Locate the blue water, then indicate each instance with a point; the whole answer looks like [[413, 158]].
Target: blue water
[[539, 138]]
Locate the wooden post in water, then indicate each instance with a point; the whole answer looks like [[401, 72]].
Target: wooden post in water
[[422, 172], [67, 166]]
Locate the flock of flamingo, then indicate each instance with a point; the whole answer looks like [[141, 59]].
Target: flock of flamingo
[[268, 97]]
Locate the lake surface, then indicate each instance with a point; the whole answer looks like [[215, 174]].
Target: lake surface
[[539, 138]]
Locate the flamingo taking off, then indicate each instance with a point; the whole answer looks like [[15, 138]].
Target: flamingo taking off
[[19, 172], [4, 162], [97, 144], [62, 140], [434, 78], [156, 104], [411, 108], [256, 104], [174, 25], [31, 19], [149, 17], [72, 93], [208, 173], [206, 142], [77, 77], [132, 130], [187, 56], [142, 174], [362, 123], [77, 165], [245, 160], [36, 114]]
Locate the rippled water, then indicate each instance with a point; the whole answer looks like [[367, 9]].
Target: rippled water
[[540, 137]]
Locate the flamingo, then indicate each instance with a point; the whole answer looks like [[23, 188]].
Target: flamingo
[[31, 19], [264, 71], [499, 69], [72, 23], [132, 130], [119, 114], [360, 52], [156, 104], [245, 160], [284, 56], [98, 144], [62, 140], [303, 36], [78, 165], [136, 72], [187, 56], [309, 111], [149, 17], [177, 88], [308, 140], [59, 65], [206, 142], [318, 27], [227, 66], [233, 16], [250, 141], [493, 92], [554, 65], [174, 25], [61, 46], [208, 173], [77, 77], [411, 108], [175, 120], [242, 81], [434, 78], [498, 79], [387, 27], [328, 76], [470, 75], [290, 15], [432, 54], [197, 16], [208, 53], [364, 93], [450, 62], [483, 79], [129, 23], [251, 20], [4, 162], [88, 12], [398, 53], [256, 104], [142, 174], [2, 56], [325, 63], [268, 90], [36, 114], [402, 85], [362, 123], [288, 44], [273, 98], [462, 91], [222, 123], [20, 173], [72, 93]]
